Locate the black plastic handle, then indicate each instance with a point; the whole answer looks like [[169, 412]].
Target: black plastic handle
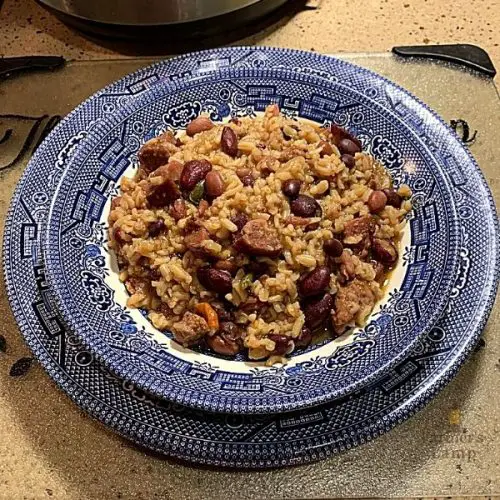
[[9, 65], [465, 54]]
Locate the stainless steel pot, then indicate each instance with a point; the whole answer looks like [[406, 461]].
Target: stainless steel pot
[[122, 17], [144, 12]]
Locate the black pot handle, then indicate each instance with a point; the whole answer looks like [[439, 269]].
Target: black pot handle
[[465, 54], [9, 65]]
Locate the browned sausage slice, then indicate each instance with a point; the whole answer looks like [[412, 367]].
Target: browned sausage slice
[[353, 303], [359, 229], [258, 238], [162, 195], [156, 153], [194, 239], [191, 329]]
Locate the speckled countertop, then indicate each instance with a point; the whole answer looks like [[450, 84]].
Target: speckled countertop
[[50, 449], [336, 26]]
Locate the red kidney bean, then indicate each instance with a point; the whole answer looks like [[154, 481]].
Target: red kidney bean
[[161, 195], [215, 279], [214, 184], [384, 251], [347, 146], [393, 198], [243, 172], [248, 180], [314, 282], [339, 133], [282, 344], [194, 171], [311, 227], [200, 124], [305, 337], [226, 265], [317, 311], [304, 206], [377, 201], [228, 340], [221, 345], [349, 160], [156, 227], [378, 268], [291, 188], [333, 247], [229, 142]]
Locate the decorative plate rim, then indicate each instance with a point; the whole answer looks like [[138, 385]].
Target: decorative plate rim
[[415, 402]]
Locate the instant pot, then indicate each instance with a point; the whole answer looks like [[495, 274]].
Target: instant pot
[[160, 18]]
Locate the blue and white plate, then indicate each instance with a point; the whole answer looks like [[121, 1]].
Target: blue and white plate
[[81, 270], [230, 440]]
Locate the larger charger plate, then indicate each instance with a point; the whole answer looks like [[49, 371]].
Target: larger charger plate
[[229, 440], [93, 301]]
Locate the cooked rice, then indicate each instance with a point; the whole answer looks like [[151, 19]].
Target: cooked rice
[[161, 271]]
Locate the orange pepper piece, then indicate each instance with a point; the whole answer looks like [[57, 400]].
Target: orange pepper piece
[[210, 315]]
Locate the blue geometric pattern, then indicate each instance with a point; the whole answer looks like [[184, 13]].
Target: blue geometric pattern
[[259, 441], [87, 301]]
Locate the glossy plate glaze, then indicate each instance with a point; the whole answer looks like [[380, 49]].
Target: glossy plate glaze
[[93, 302], [244, 441]]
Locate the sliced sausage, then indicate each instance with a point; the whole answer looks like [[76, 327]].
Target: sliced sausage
[[359, 230], [162, 195], [195, 239], [156, 152], [259, 238], [172, 170], [353, 303], [190, 330]]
